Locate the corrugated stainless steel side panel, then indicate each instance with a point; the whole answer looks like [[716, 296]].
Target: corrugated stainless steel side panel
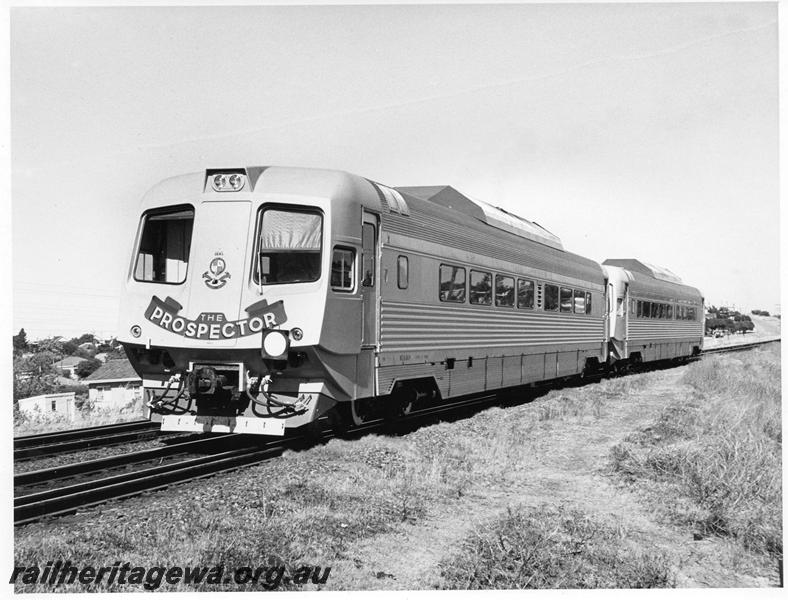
[[408, 326], [649, 330]]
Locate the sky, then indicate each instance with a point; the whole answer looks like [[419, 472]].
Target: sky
[[643, 131]]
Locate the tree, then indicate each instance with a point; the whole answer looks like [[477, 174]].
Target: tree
[[35, 375], [85, 337], [70, 347], [20, 341], [86, 367]]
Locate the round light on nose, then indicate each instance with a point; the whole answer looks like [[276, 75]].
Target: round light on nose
[[236, 181], [296, 333], [219, 182], [275, 344], [136, 331]]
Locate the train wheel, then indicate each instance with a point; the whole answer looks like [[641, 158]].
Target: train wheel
[[312, 432], [340, 419]]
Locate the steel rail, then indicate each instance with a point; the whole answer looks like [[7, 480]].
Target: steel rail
[[26, 441], [106, 439], [118, 460], [33, 507], [738, 347]]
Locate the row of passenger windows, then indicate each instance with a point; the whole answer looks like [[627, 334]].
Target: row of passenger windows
[[452, 281], [659, 310], [452, 288]]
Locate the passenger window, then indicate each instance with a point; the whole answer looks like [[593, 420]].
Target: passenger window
[[588, 303], [452, 284], [481, 288], [504, 290], [654, 310], [342, 269], [580, 302], [566, 300], [525, 293], [402, 272], [550, 297], [670, 311]]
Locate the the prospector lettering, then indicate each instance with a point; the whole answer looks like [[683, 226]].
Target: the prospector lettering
[[214, 326]]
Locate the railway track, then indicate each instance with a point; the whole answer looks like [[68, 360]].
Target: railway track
[[36, 498], [49, 444]]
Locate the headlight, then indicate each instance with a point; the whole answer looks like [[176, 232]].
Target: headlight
[[275, 344], [228, 182]]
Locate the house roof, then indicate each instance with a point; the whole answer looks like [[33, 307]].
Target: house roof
[[118, 369], [69, 362]]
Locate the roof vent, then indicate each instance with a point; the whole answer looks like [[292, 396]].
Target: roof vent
[[393, 200]]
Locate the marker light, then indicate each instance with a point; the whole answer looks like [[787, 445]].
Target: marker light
[[296, 333], [224, 182], [275, 344], [136, 331]]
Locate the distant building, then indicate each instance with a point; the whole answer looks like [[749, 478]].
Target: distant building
[[68, 366], [114, 384], [52, 404]]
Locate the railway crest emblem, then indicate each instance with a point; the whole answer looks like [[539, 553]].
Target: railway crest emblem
[[216, 275]]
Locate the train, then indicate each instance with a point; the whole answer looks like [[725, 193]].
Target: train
[[266, 299]]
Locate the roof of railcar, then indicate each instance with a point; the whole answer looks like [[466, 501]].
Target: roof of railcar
[[296, 181], [552, 258], [647, 280], [519, 236]]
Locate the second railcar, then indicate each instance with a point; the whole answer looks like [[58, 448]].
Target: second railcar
[[652, 315]]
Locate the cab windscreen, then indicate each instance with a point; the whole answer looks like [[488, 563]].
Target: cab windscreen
[[163, 254], [289, 246]]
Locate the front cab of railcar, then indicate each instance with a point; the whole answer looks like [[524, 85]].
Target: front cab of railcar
[[242, 305]]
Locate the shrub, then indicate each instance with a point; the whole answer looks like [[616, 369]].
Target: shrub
[[553, 548]]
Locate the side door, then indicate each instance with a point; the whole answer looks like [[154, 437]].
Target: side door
[[369, 281], [369, 286]]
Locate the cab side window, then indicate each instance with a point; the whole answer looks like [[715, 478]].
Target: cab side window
[[342, 271]]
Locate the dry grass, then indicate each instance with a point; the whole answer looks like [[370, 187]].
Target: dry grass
[[318, 507], [308, 507], [549, 548], [713, 459]]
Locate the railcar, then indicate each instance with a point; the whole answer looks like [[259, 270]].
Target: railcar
[[652, 315], [265, 298]]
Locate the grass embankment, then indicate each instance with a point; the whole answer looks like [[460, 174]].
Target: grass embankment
[[32, 423], [712, 460], [316, 507], [513, 497]]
